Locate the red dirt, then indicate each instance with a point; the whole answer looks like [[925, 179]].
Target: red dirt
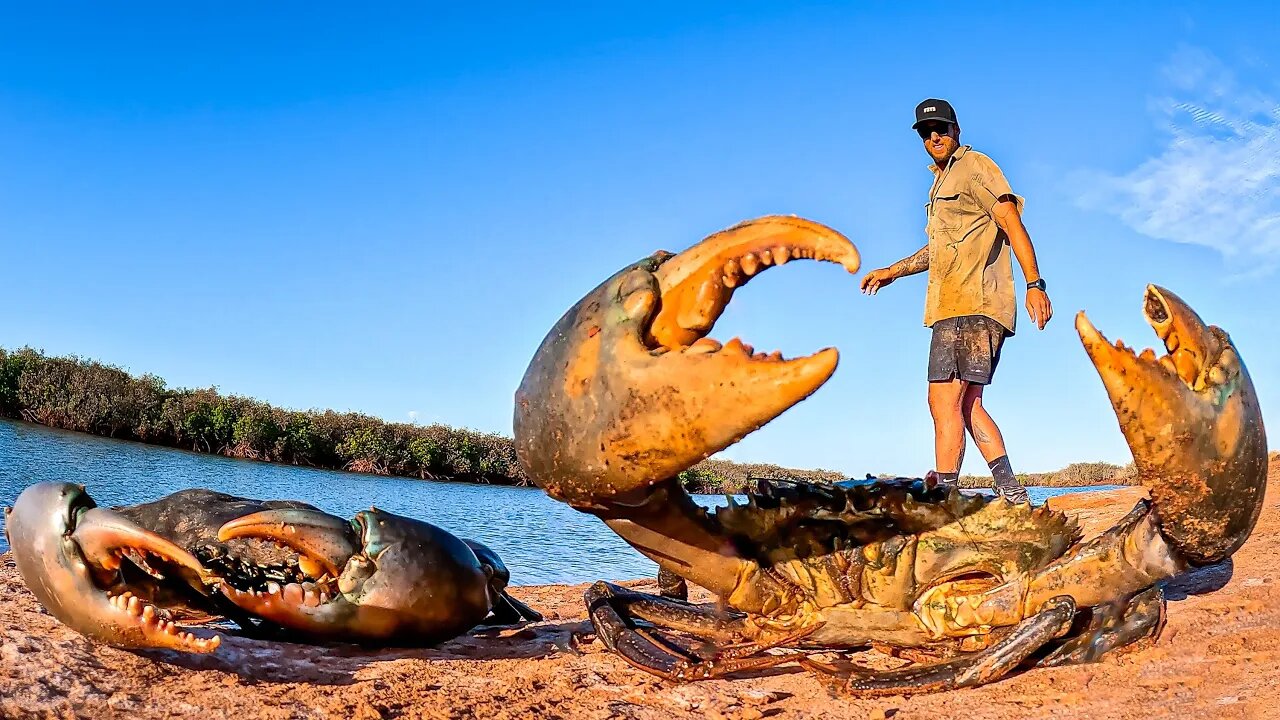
[[1219, 657]]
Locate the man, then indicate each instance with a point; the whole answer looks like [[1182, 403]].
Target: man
[[974, 219]]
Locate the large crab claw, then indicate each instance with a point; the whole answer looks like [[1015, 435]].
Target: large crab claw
[[381, 577], [79, 562], [627, 390], [1192, 420]]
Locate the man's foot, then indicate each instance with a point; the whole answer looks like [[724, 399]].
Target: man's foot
[[1014, 493], [1006, 483]]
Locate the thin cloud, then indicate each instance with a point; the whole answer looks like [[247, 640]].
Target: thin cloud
[[1216, 181]]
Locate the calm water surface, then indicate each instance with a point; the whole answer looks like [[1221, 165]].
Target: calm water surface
[[540, 540]]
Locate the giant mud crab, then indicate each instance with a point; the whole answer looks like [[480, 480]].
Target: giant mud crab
[[627, 390], [132, 576]]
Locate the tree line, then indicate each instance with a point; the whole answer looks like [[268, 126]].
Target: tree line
[[87, 396], [74, 393]]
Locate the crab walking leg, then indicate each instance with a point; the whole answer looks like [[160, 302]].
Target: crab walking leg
[[508, 610], [977, 669], [607, 604], [669, 614], [671, 585], [1112, 626]]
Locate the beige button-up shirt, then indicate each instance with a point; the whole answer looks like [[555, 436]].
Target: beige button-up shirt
[[970, 268]]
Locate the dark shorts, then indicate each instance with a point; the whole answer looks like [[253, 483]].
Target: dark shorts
[[965, 348]]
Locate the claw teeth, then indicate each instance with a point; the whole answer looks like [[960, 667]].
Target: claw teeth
[[731, 268], [1148, 354], [766, 257], [699, 346], [293, 593], [781, 254], [736, 346], [1186, 365], [750, 264], [730, 281], [309, 566]]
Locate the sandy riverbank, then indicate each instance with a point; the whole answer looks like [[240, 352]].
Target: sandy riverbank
[[1219, 657]]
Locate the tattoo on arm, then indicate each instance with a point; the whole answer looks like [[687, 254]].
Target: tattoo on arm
[[917, 263]]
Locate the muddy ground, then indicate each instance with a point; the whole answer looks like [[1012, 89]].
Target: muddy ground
[[1219, 657]]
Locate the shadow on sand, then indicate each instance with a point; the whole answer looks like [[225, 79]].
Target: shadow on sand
[[276, 661]]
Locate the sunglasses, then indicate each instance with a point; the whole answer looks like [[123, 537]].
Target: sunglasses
[[928, 129]]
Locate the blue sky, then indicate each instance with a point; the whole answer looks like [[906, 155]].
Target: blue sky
[[384, 210]]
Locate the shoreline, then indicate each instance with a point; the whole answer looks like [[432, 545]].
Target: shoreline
[[1217, 658], [699, 486]]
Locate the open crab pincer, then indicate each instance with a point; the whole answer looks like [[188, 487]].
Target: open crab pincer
[[103, 575], [379, 578]]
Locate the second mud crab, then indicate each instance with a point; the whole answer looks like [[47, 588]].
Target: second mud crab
[[133, 576]]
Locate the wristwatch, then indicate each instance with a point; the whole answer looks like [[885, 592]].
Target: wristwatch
[[1038, 285]]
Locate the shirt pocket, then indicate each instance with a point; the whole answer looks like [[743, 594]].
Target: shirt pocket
[[947, 212]]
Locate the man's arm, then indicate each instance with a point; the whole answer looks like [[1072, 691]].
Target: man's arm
[[876, 279], [1006, 215]]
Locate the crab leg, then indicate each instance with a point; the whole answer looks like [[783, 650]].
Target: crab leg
[[611, 609], [671, 585], [977, 669], [1113, 626], [504, 610], [670, 614]]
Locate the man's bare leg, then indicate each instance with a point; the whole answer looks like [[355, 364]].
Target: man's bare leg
[[986, 435], [945, 399]]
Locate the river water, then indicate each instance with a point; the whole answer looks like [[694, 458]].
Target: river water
[[540, 540]]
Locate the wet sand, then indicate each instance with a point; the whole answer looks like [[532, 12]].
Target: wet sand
[[1219, 657]]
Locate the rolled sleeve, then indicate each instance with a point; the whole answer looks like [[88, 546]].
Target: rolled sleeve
[[988, 185]]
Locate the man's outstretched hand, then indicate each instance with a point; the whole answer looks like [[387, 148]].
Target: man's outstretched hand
[[876, 279], [1038, 306]]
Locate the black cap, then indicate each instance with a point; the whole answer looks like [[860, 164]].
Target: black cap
[[934, 109]]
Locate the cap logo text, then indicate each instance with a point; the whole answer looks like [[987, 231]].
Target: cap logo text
[[930, 109]]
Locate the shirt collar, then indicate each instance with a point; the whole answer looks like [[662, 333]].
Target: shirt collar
[[959, 153]]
